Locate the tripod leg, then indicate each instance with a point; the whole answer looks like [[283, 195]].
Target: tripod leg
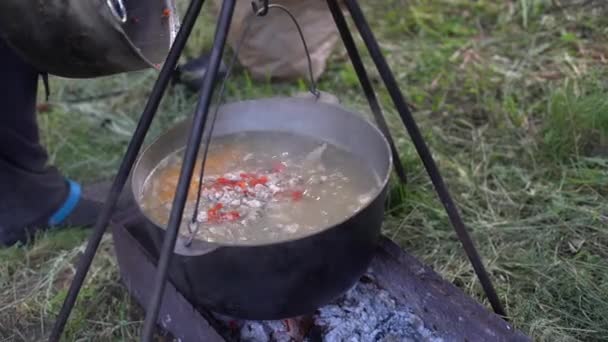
[[366, 85], [427, 159], [125, 167], [192, 149]]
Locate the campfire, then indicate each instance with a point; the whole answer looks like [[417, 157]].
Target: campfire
[[366, 313]]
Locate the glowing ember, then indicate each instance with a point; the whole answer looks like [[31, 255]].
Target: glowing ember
[[366, 313]]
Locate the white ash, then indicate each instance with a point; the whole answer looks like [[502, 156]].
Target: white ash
[[369, 314], [366, 313], [258, 331], [267, 331]]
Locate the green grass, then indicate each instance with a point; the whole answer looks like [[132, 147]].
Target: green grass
[[511, 97]]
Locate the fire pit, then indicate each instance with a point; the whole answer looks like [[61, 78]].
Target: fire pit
[[399, 299], [366, 313]]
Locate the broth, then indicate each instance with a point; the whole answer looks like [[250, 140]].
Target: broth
[[262, 187]]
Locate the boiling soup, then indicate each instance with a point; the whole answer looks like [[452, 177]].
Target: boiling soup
[[263, 187]]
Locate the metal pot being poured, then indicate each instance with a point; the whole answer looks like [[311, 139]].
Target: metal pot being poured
[[291, 273], [89, 38]]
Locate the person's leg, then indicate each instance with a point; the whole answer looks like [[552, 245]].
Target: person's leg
[[30, 190], [34, 195]]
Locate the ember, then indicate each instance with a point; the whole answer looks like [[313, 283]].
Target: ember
[[366, 313]]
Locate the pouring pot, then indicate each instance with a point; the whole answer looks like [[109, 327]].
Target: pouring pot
[[287, 278], [89, 38]]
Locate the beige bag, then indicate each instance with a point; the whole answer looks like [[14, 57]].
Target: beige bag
[[273, 48]]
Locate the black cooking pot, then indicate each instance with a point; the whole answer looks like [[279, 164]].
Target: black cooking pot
[[288, 278]]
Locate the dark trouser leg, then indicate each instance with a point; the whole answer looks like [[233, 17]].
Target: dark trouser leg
[[30, 191]]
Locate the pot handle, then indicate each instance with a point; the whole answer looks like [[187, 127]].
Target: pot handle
[[321, 96], [261, 11]]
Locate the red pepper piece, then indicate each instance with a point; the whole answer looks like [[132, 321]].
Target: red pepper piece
[[213, 213], [262, 180], [232, 216], [297, 195], [225, 181]]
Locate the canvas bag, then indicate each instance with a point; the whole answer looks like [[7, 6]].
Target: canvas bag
[[273, 48]]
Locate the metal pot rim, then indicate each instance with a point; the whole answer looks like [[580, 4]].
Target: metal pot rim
[[201, 247]]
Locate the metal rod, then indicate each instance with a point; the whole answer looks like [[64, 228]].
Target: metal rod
[[194, 141], [423, 151], [126, 165], [366, 85], [257, 12], [208, 136]]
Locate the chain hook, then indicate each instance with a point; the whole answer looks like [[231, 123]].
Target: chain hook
[[264, 7], [262, 12]]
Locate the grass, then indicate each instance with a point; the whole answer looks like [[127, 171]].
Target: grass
[[512, 98]]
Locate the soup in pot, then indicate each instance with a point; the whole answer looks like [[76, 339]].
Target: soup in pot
[[261, 187]]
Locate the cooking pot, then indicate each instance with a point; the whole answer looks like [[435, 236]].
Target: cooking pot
[[89, 38], [287, 278]]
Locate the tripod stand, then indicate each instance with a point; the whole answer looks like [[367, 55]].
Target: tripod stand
[[200, 121]]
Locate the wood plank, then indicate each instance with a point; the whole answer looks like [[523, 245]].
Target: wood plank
[[441, 305], [176, 314]]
